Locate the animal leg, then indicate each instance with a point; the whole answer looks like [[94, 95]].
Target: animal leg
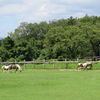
[[90, 66], [9, 70], [79, 68], [2, 70], [85, 67], [16, 70]]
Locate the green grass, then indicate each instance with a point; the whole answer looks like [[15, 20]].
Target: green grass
[[33, 84], [58, 65], [51, 65]]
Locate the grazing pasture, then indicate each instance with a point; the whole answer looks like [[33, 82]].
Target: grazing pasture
[[62, 65], [42, 84]]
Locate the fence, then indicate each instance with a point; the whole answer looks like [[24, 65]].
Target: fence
[[43, 62]]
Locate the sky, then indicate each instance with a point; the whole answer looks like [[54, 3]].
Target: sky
[[13, 12]]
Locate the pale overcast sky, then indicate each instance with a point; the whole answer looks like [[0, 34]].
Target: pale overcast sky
[[13, 12]]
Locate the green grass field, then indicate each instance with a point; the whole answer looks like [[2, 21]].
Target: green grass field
[[59, 84], [58, 65]]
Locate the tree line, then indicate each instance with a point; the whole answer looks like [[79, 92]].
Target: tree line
[[56, 39]]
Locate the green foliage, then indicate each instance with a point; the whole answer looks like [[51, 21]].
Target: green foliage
[[11, 60], [66, 38], [8, 43], [4, 54]]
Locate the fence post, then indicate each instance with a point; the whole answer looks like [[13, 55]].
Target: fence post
[[6, 62], [0, 65], [33, 64], [24, 64], [53, 64], [44, 63], [15, 61], [77, 59]]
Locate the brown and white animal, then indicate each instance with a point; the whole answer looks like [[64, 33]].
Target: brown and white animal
[[14, 66], [5, 68], [84, 65]]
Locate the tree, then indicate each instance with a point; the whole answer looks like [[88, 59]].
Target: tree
[[8, 43], [73, 41], [71, 21], [4, 54], [20, 32], [64, 38], [21, 49], [92, 35], [53, 42]]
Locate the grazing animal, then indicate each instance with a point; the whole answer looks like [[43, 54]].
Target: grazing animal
[[85, 65], [14, 66], [4, 68]]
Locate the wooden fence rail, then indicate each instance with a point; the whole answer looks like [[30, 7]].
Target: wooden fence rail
[[41, 62], [37, 62]]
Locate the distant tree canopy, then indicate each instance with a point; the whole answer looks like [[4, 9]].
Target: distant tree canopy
[[64, 38]]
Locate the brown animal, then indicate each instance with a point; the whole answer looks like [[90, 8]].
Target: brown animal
[[85, 65], [14, 66]]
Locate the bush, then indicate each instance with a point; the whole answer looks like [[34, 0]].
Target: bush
[[11, 60]]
